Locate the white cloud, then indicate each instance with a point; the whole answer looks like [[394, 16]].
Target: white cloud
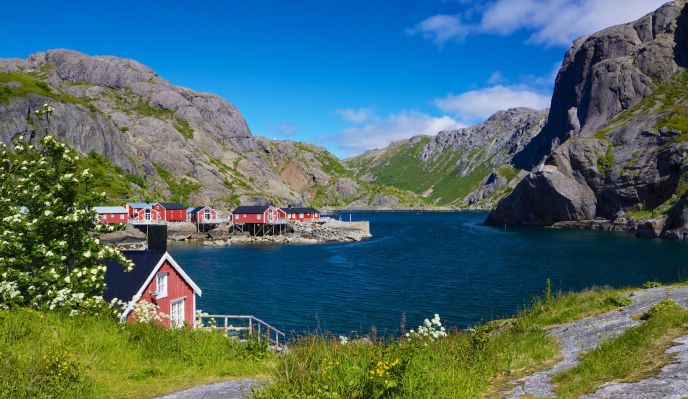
[[440, 29], [551, 22], [355, 115], [495, 78], [384, 130], [559, 22], [477, 105]]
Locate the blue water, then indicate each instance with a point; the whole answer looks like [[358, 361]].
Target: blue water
[[419, 264]]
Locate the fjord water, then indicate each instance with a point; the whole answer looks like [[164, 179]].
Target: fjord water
[[419, 264]]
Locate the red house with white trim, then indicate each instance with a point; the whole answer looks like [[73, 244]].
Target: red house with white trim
[[112, 214], [203, 214], [260, 214], [156, 278], [301, 214], [143, 212], [171, 211]]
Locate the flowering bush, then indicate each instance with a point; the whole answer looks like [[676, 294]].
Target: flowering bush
[[50, 257], [384, 378], [146, 312], [430, 330]]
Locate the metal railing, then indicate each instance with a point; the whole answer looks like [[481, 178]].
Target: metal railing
[[243, 327]]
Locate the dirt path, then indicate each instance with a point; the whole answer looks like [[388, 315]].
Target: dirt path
[[586, 334], [235, 389]]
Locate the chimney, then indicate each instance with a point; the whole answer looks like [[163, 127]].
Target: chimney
[[157, 237]]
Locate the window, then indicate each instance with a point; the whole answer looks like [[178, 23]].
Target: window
[[301, 215], [206, 214], [177, 313], [271, 214], [161, 285], [260, 217], [147, 215], [121, 217]]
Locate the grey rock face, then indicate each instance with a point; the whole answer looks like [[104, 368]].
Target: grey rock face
[[629, 166]]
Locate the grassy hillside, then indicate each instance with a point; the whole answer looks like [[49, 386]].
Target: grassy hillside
[[439, 179], [51, 355]]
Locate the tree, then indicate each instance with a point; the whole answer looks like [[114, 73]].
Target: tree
[[50, 256]]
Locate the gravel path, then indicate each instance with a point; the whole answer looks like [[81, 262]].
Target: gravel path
[[586, 334], [235, 389]]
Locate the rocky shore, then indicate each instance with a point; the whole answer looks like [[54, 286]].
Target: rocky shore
[[641, 228], [222, 235]]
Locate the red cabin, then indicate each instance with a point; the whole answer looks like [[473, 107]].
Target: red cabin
[[203, 214], [171, 211], [143, 212], [156, 278], [261, 214], [112, 214], [301, 214]]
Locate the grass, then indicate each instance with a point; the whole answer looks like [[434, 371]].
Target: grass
[[51, 355], [144, 108], [636, 354], [180, 188], [605, 163], [182, 126], [110, 178], [31, 85], [466, 364]]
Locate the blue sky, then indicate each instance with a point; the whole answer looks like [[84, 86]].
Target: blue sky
[[350, 76]]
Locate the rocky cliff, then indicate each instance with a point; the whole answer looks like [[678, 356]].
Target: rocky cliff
[[464, 167], [144, 137], [614, 145]]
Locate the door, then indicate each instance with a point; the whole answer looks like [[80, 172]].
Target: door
[[147, 214], [177, 313]]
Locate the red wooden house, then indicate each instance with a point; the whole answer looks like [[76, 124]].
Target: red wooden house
[[203, 214], [143, 212], [171, 211], [156, 278], [112, 214], [260, 214], [301, 214]]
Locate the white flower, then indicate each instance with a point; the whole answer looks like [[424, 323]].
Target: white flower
[[87, 254]]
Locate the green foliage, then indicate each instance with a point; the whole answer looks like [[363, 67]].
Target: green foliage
[[630, 355], [109, 178], [605, 163], [181, 188], [652, 284], [508, 172], [51, 355], [402, 168], [144, 108], [30, 84], [182, 126], [49, 257]]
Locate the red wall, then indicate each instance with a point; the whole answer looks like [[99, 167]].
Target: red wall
[[253, 218], [306, 216], [198, 216], [155, 215], [177, 288], [113, 218], [173, 215]]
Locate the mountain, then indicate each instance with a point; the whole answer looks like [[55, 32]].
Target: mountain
[[145, 138], [616, 138], [464, 167]]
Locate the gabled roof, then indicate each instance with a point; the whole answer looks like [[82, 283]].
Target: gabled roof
[[125, 285], [251, 209], [172, 206], [199, 208], [300, 210], [110, 209], [139, 205]]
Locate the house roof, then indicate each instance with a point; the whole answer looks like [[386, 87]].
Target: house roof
[[300, 210], [251, 209], [125, 285], [110, 209], [139, 205], [199, 208], [171, 205]]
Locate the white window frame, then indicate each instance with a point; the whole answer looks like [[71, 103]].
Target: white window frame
[[260, 217], [175, 322], [207, 215], [161, 285]]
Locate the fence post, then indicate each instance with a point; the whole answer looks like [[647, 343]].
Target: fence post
[[250, 327]]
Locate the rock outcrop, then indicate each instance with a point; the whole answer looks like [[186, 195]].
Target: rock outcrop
[[615, 139], [454, 167], [164, 141]]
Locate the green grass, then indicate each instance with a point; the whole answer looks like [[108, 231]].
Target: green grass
[[605, 163], [144, 108], [181, 188], [182, 126], [508, 172], [32, 85], [636, 354], [463, 365], [51, 355], [111, 179]]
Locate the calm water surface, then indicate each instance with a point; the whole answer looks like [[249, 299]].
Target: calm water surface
[[419, 264]]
